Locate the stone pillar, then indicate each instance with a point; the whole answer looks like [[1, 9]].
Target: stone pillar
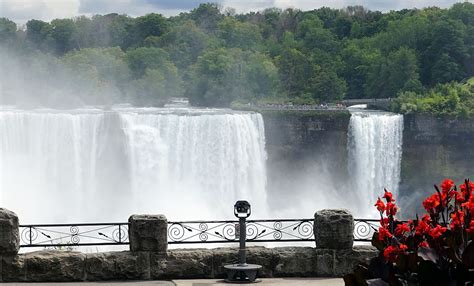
[[334, 229], [9, 233], [148, 233]]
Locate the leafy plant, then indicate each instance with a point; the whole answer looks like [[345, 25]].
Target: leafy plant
[[436, 249]]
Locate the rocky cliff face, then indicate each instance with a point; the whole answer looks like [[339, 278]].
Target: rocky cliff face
[[434, 148], [304, 145], [306, 150]]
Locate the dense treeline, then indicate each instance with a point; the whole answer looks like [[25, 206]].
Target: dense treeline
[[215, 57]]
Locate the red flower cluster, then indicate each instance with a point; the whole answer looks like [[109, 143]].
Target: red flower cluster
[[450, 212], [390, 208], [391, 252]]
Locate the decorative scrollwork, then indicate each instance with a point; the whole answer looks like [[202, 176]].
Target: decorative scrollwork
[[277, 235], [75, 239], [252, 231], [203, 236], [120, 234], [229, 231], [364, 229], [62, 235], [176, 231], [74, 230], [305, 229], [277, 225], [29, 235]]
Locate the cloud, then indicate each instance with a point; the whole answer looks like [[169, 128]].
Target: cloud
[[21, 11]]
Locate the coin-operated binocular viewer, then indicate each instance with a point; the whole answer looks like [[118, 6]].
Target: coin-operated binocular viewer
[[242, 272]]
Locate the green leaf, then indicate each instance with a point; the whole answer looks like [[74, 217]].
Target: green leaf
[[428, 254], [468, 255]]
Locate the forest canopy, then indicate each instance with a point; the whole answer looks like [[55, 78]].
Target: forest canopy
[[216, 57]]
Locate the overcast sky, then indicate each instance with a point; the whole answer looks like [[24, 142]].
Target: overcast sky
[[21, 11]]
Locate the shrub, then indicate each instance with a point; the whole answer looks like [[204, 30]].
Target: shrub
[[436, 249]]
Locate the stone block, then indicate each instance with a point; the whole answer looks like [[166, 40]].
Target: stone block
[[334, 229], [131, 265], [9, 232], [261, 256], [13, 268], [54, 265], [100, 266], [223, 256], [325, 262], [181, 263], [295, 261], [148, 233], [347, 259]]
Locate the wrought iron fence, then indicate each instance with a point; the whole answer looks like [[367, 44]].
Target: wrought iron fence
[[183, 232], [364, 229], [283, 230], [69, 235]]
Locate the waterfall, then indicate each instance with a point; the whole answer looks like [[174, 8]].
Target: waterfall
[[203, 162], [95, 165], [375, 151]]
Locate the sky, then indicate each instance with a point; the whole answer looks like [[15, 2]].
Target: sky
[[21, 11]]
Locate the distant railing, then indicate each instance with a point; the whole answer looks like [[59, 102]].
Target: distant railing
[[69, 235], [183, 232]]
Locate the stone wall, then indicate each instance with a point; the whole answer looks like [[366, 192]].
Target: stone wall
[[150, 259]]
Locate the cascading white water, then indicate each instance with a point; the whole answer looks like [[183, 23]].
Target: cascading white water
[[375, 152], [205, 162], [94, 165]]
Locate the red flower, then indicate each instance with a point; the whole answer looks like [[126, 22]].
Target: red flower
[[380, 205], [469, 205], [460, 197], [447, 185], [384, 233], [457, 219], [402, 228], [403, 247], [391, 252], [391, 209], [437, 231], [388, 196], [384, 221], [431, 203], [424, 243], [463, 188], [422, 228], [470, 230], [426, 218]]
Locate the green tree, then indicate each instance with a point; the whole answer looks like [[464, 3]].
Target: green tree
[[221, 76], [185, 42], [236, 34], [7, 31], [38, 34], [141, 59], [397, 73], [64, 34]]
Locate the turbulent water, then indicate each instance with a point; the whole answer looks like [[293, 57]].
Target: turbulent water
[[375, 152], [95, 165]]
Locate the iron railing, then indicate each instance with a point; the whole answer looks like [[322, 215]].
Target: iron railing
[[283, 230], [69, 235], [183, 232], [364, 229]]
